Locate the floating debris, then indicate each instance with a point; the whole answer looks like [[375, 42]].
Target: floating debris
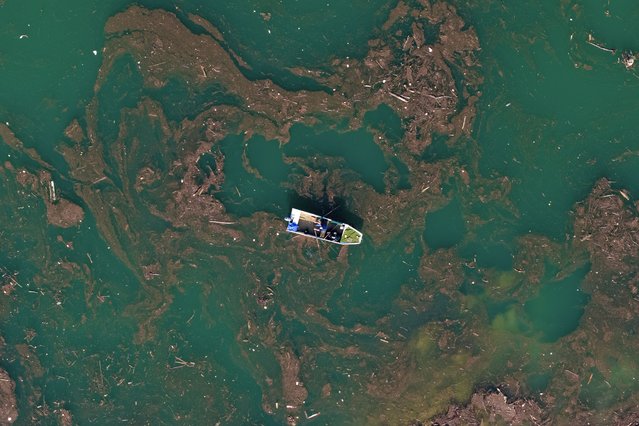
[[591, 41], [52, 195], [628, 58]]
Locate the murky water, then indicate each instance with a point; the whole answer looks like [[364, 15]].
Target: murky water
[[156, 308]]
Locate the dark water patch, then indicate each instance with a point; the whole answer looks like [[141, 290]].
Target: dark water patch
[[370, 288], [266, 157], [495, 308], [206, 164], [471, 288], [356, 148], [492, 244], [431, 33], [181, 99], [243, 193], [445, 227], [385, 120], [402, 175], [438, 149], [438, 308], [285, 79], [295, 34], [537, 383], [558, 308], [489, 254], [280, 76]]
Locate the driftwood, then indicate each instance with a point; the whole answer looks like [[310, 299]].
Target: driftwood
[[219, 222], [591, 42]]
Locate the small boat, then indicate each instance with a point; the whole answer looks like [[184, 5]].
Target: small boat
[[322, 228]]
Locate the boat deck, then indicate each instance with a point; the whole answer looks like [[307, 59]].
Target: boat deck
[[320, 228]]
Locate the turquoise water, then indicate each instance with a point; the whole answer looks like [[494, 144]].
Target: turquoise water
[[445, 227], [558, 308], [149, 311], [357, 149]]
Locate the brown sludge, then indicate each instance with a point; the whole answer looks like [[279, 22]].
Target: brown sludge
[[607, 224], [8, 403], [293, 389], [494, 408], [64, 213]]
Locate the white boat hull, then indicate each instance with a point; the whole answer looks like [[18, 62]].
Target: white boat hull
[[322, 228]]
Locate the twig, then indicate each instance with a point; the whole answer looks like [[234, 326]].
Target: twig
[[312, 416], [219, 222], [401, 98], [601, 47], [408, 40], [183, 363], [332, 210], [99, 180], [437, 97], [598, 46], [52, 194], [101, 375], [199, 190]]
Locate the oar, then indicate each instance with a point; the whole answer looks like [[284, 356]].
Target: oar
[[335, 208]]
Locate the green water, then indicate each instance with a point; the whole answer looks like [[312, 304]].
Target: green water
[[357, 149], [445, 227], [558, 308], [386, 121], [198, 340]]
